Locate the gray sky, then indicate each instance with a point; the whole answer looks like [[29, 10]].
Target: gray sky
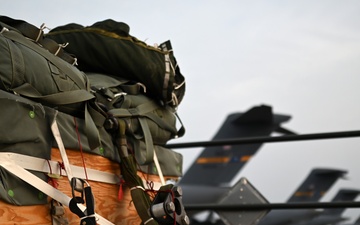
[[301, 57]]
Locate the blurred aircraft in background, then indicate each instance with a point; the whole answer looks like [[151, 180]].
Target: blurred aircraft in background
[[209, 178], [312, 189], [333, 215]]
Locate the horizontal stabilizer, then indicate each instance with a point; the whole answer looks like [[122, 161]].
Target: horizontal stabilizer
[[282, 130], [343, 195], [346, 195], [241, 194], [260, 115]]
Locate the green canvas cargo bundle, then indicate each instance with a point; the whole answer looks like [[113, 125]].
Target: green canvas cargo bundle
[[32, 121], [24, 130], [31, 70], [33, 96], [137, 122], [107, 47], [24, 58], [148, 122], [28, 133]]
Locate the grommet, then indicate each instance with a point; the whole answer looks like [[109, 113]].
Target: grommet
[[101, 150], [32, 114], [11, 193]]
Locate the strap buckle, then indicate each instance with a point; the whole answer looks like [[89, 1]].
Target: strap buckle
[[88, 216]]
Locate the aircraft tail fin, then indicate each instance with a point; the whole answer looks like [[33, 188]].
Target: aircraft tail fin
[[343, 195], [218, 165], [316, 185]]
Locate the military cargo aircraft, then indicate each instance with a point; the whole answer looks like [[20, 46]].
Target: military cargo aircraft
[[312, 189], [208, 179], [333, 215]]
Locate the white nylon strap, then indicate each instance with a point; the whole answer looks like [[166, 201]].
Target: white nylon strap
[[157, 164], [42, 165], [7, 163], [57, 136]]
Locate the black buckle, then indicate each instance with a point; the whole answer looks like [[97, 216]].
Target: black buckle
[[88, 216]]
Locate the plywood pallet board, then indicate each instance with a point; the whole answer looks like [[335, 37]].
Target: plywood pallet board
[[107, 203]]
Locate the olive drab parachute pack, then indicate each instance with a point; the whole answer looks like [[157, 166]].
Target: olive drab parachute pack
[[25, 54], [107, 47], [148, 123], [88, 122]]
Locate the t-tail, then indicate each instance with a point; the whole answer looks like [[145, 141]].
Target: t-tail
[[343, 195], [333, 215], [217, 166], [316, 185]]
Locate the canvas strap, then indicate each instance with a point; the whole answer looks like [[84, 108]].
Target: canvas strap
[[128, 166], [142, 112], [60, 98]]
